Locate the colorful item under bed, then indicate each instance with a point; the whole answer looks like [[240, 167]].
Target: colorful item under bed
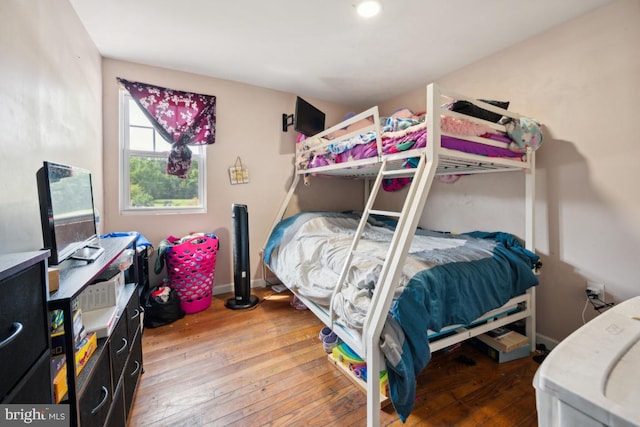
[[344, 355]]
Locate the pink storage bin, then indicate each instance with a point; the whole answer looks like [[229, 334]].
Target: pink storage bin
[[191, 268]]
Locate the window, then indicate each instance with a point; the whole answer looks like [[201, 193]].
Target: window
[[144, 184]]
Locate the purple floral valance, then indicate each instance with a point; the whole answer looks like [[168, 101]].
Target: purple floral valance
[[182, 118]]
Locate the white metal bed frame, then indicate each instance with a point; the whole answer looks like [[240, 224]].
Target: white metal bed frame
[[434, 160]]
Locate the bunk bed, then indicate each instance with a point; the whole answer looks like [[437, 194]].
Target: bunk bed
[[377, 288]]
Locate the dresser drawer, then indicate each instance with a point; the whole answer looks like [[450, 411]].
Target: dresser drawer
[[133, 313], [23, 324], [97, 396], [35, 386], [132, 372], [119, 348], [117, 416]]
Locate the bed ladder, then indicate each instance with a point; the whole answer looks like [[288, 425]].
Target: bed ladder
[[423, 176], [408, 218], [383, 173]]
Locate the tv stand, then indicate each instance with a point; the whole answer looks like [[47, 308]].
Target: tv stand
[[102, 393], [89, 253]]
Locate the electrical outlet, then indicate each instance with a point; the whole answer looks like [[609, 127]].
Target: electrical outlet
[[595, 290]]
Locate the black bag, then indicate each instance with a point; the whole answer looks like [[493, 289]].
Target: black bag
[[465, 107], [161, 307]]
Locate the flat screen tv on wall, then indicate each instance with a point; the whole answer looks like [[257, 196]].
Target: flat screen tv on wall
[[67, 213], [308, 119]]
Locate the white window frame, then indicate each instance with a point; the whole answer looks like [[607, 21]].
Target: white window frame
[[198, 153]]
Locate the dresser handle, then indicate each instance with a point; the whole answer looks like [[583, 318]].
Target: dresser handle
[[104, 400], [136, 314], [135, 371], [17, 328], [124, 346]]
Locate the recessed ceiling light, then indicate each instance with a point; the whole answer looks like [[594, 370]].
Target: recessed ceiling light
[[368, 8]]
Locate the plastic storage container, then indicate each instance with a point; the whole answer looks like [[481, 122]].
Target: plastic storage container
[[191, 268], [592, 377]]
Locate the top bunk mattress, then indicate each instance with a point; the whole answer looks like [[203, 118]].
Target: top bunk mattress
[[367, 138]]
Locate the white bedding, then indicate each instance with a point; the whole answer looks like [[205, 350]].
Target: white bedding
[[312, 262]]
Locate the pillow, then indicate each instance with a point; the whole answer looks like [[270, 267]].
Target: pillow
[[353, 126], [465, 107], [524, 132], [403, 113]]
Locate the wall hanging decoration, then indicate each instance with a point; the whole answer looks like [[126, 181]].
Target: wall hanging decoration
[[238, 174]]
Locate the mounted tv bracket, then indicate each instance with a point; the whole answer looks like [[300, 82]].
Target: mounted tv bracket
[[287, 120]]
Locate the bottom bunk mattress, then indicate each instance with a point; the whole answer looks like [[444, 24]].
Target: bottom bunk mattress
[[447, 279]]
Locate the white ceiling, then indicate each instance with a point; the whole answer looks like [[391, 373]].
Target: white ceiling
[[318, 48]]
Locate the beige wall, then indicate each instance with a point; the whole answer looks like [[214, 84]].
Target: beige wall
[[249, 125], [582, 82], [50, 109]]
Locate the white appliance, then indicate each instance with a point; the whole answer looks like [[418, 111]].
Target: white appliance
[[592, 378]]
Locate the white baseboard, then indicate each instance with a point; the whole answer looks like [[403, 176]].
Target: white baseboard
[[229, 287], [548, 342], [222, 289]]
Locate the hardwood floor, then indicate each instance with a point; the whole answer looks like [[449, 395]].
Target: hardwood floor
[[266, 367]]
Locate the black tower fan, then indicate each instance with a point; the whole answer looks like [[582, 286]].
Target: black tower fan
[[241, 265]]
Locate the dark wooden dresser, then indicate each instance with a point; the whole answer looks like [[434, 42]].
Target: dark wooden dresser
[[25, 373]]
